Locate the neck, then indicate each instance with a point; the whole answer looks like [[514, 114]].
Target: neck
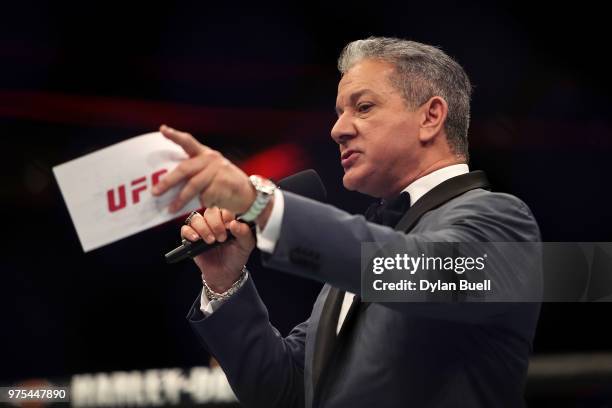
[[422, 172]]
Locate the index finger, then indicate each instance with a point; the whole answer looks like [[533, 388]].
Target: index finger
[[189, 143]]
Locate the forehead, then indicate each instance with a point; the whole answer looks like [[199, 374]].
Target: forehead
[[369, 74]]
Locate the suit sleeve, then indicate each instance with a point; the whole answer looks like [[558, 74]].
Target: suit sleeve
[[323, 243], [263, 368]]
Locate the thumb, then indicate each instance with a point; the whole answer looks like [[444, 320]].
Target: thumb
[[244, 235]]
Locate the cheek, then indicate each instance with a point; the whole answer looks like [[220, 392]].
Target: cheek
[[402, 141], [389, 141], [384, 151]]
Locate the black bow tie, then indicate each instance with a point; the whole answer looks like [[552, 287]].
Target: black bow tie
[[389, 212]]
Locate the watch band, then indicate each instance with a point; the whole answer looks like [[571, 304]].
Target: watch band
[[265, 190]]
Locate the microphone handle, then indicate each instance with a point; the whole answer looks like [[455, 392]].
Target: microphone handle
[[189, 249]]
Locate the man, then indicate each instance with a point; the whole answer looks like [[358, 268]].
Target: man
[[403, 115]]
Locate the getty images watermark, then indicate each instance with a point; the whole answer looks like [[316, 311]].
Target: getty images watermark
[[409, 271], [422, 263]]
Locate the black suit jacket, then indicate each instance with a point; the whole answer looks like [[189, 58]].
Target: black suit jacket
[[390, 354]]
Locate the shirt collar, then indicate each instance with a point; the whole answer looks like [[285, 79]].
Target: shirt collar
[[421, 186]]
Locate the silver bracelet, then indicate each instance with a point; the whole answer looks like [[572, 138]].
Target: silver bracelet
[[212, 295]]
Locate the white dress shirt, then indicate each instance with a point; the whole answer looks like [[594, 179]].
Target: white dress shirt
[[268, 237]]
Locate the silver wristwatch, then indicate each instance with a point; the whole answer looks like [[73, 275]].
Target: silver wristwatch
[[265, 190]]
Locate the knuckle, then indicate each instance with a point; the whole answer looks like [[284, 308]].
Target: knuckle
[[201, 229], [182, 167], [211, 220], [227, 215], [212, 154], [196, 221], [225, 164]]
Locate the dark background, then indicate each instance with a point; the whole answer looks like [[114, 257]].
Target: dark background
[[245, 79]]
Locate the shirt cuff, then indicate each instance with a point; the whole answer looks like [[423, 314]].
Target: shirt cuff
[[208, 307], [267, 238]]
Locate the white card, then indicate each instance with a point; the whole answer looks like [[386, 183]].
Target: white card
[[108, 192]]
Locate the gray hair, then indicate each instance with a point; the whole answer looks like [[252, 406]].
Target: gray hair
[[421, 72]]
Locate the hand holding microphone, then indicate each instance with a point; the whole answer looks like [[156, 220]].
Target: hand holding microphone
[[220, 184], [221, 265]]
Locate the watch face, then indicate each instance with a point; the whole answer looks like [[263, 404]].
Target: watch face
[[262, 184], [268, 187]]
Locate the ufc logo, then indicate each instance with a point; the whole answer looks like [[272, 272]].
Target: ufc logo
[[138, 186]]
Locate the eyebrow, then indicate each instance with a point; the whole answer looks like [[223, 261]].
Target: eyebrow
[[354, 96]]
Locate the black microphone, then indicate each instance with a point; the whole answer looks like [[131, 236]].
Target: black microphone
[[306, 183]]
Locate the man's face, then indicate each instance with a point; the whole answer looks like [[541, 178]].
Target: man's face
[[376, 131]]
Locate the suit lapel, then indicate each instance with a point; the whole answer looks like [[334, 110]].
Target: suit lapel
[[441, 194], [325, 340]]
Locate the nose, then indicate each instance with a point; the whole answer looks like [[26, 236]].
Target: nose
[[344, 129]]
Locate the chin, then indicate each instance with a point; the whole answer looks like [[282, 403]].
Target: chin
[[348, 184], [355, 181]]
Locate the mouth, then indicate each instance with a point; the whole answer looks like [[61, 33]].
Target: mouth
[[348, 158]]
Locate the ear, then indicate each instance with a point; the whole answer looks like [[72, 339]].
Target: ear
[[433, 115]]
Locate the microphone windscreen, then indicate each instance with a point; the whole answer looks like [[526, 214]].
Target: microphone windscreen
[[306, 183]]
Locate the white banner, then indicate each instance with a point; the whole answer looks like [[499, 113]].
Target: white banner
[[108, 192]]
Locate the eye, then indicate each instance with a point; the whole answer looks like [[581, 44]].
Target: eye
[[364, 107]]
